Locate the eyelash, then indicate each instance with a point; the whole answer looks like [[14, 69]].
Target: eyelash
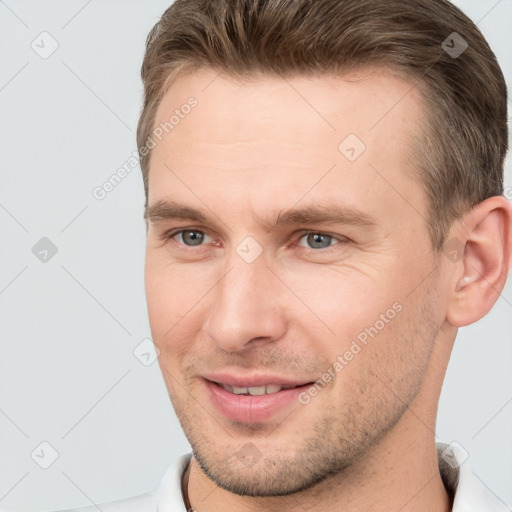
[[171, 234]]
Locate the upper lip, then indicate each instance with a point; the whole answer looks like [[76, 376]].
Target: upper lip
[[253, 380]]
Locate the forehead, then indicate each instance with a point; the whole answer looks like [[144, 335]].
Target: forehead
[[365, 100], [270, 133]]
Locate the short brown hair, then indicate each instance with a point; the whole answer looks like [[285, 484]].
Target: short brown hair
[[465, 140]]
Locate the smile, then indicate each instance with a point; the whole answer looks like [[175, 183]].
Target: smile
[[253, 404]]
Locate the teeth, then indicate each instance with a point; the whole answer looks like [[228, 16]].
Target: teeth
[[273, 388], [253, 391], [256, 391]]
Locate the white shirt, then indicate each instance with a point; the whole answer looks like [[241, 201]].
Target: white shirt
[[470, 493]]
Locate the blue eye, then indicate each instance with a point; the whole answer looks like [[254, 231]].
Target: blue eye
[[317, 240], [190, 237]]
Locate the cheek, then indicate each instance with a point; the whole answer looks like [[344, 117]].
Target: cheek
[[380, 366], [173, 296], [341, 304]]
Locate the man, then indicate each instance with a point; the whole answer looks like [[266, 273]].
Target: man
[[324, 186]]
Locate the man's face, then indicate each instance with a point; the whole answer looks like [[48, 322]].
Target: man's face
[[253, 294]]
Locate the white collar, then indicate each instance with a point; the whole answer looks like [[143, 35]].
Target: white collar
[[471, 494], [168, 496]]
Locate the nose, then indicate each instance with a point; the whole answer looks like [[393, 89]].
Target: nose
[[246, 306]]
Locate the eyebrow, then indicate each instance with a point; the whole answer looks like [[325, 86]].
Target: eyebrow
[[168, 210], [335, 214]]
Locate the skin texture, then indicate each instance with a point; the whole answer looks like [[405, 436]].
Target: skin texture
[[245, 154]]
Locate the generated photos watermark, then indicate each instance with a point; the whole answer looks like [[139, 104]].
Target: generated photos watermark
[[355, 348], [100, 192]]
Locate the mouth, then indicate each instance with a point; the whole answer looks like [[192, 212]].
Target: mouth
[[248, 402]]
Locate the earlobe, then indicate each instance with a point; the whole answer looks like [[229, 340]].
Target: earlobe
[[486, 256]]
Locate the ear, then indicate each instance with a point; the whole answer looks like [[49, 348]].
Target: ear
[[480, 250]]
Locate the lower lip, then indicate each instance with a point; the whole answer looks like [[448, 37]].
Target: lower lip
[[252, 409]]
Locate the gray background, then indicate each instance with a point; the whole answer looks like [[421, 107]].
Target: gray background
[[68, 375]]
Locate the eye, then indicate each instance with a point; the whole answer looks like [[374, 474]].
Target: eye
[[317, 240], [190, 237]]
